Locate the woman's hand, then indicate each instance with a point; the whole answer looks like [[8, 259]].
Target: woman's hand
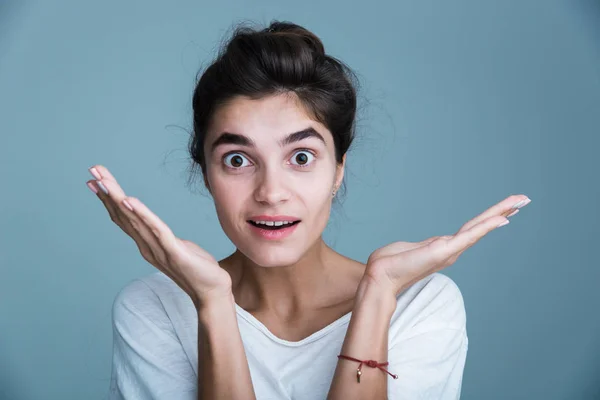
[[193, 269], [400, 264]]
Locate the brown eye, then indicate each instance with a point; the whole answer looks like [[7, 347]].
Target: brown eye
[[237, 160], [302, 158]]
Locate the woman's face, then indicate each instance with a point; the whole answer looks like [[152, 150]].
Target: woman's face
[[251, 170]]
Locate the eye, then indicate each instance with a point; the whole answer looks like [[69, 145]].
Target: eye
[[302, 159], [236, 160]]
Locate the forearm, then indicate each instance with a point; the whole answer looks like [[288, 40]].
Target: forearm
[[223, 371], [366, 339]]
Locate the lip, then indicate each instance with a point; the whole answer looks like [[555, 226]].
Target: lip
[[272, 234], [274, 218]]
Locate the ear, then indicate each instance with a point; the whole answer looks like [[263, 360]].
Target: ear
[[339, 174], [207, 185]]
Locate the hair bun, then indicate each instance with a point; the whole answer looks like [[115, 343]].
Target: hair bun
[[289, 28]]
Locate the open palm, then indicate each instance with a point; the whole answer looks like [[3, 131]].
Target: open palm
[[400, 264], [192, 268]]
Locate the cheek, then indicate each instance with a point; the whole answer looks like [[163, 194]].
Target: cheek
[[223, 186], [316, 189], [229, 205], [228, 197], [317, 202]]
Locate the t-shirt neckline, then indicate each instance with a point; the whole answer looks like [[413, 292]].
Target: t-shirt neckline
[[311, 338]]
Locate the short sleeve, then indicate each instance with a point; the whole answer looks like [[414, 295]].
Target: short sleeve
[[429, 357], [148, 359], [429, 366]]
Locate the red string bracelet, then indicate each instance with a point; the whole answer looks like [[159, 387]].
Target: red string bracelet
[[370, 363]]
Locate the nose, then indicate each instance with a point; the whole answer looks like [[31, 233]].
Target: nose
[[271, 188]]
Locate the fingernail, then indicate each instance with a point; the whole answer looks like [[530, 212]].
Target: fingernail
[[512, 213], [521, 203], [504, 223], [101, 185], [95, 173], [127, 205], [92, 188]]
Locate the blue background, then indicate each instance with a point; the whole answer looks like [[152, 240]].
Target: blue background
[[463, 104]]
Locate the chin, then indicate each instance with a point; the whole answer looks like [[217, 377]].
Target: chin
[[272, 256]]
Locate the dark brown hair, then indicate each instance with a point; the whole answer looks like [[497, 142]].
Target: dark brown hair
[[282, 58]]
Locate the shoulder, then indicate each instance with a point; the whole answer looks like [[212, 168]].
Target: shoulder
[[435, 302], [151, 358], [146, 297], [140, 290]]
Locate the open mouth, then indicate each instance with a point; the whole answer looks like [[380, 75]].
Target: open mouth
[[273, 227]]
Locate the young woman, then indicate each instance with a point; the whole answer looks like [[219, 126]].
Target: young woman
[[285, 316]]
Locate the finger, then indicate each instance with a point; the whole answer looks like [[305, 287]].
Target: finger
[[104, 178], [405, 246], [151, 234], [100, 172], [147, 243], [395, 248], [504, 208], [151, 227], [438, 252], [134, 225], [127, 221], [467, 238], [106, 200], [103, 175], [116, 209], [399, 247], [113, 201]]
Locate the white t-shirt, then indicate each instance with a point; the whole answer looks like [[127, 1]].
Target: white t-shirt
[[155, 347]]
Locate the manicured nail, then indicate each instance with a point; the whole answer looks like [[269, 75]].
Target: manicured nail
[[521, 203], [504, 223], [127, 205], [512, 213], [95, 173], [91, 186], [101, 185]]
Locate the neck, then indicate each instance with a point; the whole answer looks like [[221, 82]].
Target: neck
[[313, 282]]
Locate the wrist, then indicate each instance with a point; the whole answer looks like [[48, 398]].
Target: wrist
[[203, 299], [370, 293], [211, 307]]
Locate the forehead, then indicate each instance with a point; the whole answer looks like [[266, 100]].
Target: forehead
[[268, 118]]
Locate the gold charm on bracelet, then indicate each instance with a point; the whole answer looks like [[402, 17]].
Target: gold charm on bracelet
[[358, 373]]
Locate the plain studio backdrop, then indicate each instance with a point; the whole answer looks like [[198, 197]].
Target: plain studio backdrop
[[463, 103]]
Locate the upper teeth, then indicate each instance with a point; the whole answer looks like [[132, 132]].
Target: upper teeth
[[273, 223]]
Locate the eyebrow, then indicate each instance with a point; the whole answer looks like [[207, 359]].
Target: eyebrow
[[236, 138]]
